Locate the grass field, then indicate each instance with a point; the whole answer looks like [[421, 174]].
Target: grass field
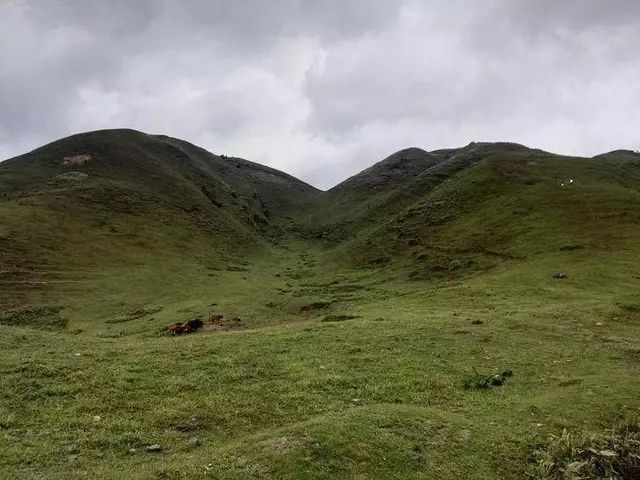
[[363, 322]]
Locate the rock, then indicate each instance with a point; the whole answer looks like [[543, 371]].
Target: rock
[[193, 441], [96, 418], [155, 448], [476, 322], [132, 451], [559, 276]]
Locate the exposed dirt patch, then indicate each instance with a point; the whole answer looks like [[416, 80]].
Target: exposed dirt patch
[[76, 160], [219, 323], [180, 328]]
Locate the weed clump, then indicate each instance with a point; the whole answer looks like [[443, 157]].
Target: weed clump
[[612, 455], [478, 381]]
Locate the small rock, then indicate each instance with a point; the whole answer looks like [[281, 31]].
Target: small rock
[[132, 450], [193, 441], [599, 324], [155, 448], [476, 322], [96, 418], [559, 276]]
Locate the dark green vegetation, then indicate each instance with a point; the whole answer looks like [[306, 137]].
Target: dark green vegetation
[[363, 328]]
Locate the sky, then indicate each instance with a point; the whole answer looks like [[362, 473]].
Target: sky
[[322, 89]]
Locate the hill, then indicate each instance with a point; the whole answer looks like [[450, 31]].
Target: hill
[[486, 203], [461, 313], [85, 210]]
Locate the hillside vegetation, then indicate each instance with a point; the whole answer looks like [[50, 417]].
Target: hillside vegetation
[[438, 315]]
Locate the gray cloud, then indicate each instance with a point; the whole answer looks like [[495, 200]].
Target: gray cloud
[[323, 89]]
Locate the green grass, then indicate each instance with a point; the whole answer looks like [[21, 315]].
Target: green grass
[[357, 347]]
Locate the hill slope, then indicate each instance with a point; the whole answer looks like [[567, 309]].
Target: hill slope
[[120, 204], [362, 328], [486, 203]]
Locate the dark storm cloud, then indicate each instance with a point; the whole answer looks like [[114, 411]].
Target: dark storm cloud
[[322, 89]]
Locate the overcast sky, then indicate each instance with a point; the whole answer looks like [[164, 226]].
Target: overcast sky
[[322, 89]]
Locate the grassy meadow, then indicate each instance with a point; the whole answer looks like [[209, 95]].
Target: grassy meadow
[[354, 337]]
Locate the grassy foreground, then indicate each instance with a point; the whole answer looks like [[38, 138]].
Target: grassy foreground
[[377, 396]]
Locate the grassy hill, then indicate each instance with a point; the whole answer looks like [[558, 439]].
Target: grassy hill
[[123, 218], [361, 324]]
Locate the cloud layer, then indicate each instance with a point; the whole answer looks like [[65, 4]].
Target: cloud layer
[[323, 89]]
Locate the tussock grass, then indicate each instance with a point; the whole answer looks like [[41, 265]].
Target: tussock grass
[[613, 455]]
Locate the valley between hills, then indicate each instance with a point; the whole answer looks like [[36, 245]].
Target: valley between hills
[[443, 314]]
